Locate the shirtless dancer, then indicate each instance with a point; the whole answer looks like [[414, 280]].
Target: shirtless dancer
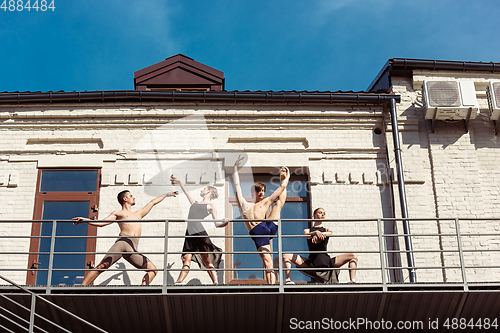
[[257, 209], [129, 236]]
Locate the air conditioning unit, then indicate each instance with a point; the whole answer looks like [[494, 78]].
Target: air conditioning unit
[[450, 100], [493, 93]]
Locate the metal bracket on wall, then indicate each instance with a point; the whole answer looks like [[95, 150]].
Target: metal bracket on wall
[[433, 120], [466, 120]]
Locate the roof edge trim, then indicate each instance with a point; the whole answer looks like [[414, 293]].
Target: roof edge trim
[[406, 64], [196, 96]]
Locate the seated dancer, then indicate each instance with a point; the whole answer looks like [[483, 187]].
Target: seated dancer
[[318, 241], [198, 211], [257, 210]]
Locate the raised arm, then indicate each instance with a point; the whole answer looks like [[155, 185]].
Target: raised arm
[[176, 180], [213, 210], [146, 209], [79, 220], [236, 179], [282, 187]]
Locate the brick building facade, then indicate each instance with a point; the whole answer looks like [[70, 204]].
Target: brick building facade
[[339, 145]]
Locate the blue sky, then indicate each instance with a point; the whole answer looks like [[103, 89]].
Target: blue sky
[[259, 45]]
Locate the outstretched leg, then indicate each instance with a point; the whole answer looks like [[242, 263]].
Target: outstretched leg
[[278, 205], [150, 274], [288, 259], [92, 275], [186, 264], [350, 258]]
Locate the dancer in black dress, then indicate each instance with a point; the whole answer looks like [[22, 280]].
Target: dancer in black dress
[[318, 241], [198, 211]]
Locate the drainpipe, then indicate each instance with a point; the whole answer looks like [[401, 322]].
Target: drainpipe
[[402, 191]]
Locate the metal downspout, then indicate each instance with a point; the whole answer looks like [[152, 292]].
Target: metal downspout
[[402, 191]]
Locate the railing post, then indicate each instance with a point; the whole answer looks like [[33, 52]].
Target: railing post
[[51, 256], [461, 253], [382, 254], [32, 313], [165, 258], [280, 255]]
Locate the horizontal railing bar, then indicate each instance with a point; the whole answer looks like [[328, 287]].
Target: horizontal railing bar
[[190, 236], [256, 236], [253, 236], [438, 235], [479, 235], [436, 251], [204, 252], [247, 269], [424, 267], [275, 220], [178, 269], [485, 250], [240, 269], [276, 269]]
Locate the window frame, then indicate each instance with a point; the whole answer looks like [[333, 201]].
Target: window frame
[[36, 226]]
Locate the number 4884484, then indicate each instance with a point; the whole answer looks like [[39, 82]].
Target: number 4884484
[[20, 5]]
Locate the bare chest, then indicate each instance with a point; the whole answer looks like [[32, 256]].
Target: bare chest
[[255, 210], [128, 216]]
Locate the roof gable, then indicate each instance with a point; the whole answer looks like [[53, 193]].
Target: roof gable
[[179, 72]]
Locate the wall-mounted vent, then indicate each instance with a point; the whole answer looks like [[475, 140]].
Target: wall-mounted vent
[[450, 100], [493, 93]]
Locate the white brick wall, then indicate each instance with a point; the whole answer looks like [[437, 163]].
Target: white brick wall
[[448, 173], [458, 172]]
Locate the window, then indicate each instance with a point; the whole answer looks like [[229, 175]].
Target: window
[[296, 207], [61, 195]]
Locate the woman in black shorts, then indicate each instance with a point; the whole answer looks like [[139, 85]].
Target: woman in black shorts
[[198, 211], [318, 241]]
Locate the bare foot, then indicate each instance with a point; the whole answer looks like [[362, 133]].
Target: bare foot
[[283, 172]]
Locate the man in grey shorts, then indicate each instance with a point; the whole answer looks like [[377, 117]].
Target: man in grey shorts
[[130, 231]]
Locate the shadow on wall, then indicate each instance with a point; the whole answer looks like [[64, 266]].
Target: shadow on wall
[[126, 278], [118, 276], [448, 132], [482, 133], [194, 282]]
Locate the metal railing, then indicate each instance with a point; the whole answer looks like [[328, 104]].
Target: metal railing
[[29, 325], [448, 252], [442, 255]]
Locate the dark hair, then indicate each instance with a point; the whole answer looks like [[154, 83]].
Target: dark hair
[[257, 186], [316, 210], [122, 195], [213, 192]]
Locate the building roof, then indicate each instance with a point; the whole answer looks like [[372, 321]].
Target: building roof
[[196, 96], [404, 67]]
